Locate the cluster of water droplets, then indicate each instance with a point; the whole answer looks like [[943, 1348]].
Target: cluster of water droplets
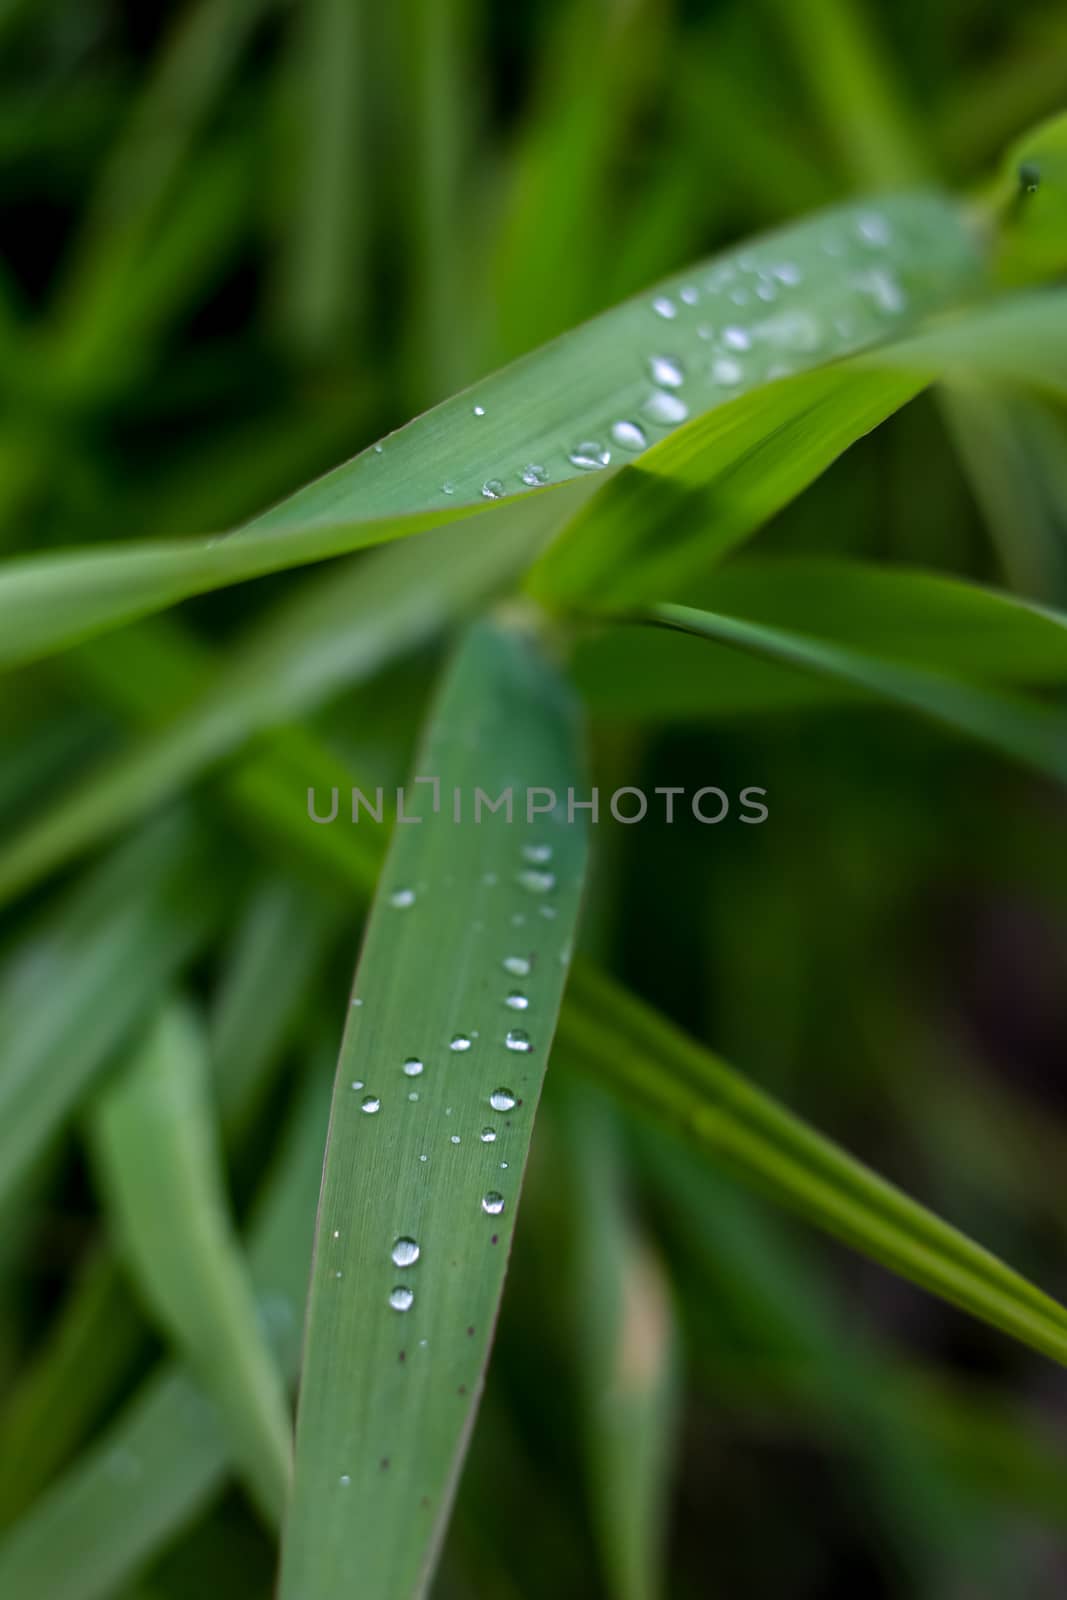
[[740, 309]]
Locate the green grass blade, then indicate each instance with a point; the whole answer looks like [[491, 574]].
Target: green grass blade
[[660, 524], [912, 618], [395, 1349], [277, 953], [167, 1454], [648, 1061], [75, 1374], [143, 910], [893, 264], [161, 1171], [627, 1350], [337, 630], [1027, 732]]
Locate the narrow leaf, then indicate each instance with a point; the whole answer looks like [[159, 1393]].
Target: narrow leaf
[[839, 283], [455, 1004], [161, 1171], [641, 1056], [1026, 732]]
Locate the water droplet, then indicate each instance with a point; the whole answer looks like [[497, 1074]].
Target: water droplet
[[666, 372], [401, 1298], [788, 272], [883, 289], [502, 1100], [402, 898], [726, 371], [454, 1138], [690, 294], [424, 1158], [412, 1067], [370, 1104], [518, 966], [338, 1274], [337, 1233], [448, 488], [766, 291], [664, 307], [740, 297], [378, 448], [488, 1135], [493, 489], [460, 1042], [629, 434], [516, 1039], [357, 1083], [479, 411], [666, 408], [589, 455], [534, 475], [516, 1000], [537, 853], [414, 1095], [357, 1002], [405, 1252], [344, 1480], [872, 228], [736, 339], [492, 1203], [536, 881]]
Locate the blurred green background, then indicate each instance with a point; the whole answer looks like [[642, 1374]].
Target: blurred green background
[[238, 241]]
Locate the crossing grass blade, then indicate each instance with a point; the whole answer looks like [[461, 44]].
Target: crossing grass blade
[[167, 1454], [626, 1045], [161, 1172], [526, 425], [437, 1085], [897, 614], [1025, 731]]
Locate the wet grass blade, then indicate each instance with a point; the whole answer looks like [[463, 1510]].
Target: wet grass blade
[[652, 1064], [455, 1002], [661, 524], [168, 1453], [161, 1170], [547, 422], [1024, 731]]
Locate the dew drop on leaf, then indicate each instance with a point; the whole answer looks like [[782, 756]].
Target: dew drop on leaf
[[666, 372], [502, 1100], [665, 408], [630, 435], [493, 1203], [370, 1104], [401, 1298], [517, 1039], [405, 1251], [589, 455]]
